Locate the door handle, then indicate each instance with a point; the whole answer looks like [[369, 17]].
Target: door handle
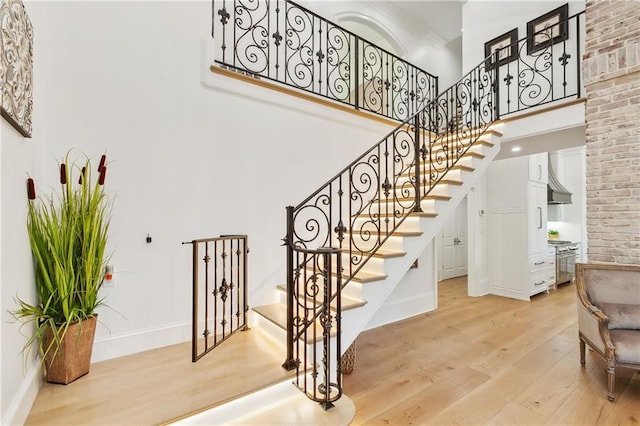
[[539, 217]]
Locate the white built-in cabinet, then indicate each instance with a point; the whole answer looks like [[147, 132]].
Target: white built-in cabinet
[[520, 262], [539, 167], [537, 215]]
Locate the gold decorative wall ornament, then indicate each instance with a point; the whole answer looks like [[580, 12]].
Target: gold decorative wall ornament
[[16, 65]]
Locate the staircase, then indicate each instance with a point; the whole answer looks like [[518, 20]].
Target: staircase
[[372, 284], [352, 241]]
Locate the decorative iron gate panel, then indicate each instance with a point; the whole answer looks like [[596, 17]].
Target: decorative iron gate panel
[[219, 291]]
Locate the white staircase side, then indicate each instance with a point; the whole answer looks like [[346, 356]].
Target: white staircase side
[[373, 284], [375, 293]]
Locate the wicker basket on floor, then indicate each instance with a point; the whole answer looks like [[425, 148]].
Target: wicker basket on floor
[[348, 359]]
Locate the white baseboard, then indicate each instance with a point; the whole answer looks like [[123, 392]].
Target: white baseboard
[[512, 294], [402, 309], [118, 345], [24, 398]]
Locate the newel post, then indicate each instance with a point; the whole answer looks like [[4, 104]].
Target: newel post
[[290, 363]]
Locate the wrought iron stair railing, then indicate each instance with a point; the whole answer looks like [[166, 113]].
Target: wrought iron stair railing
[[334, 232], [357, 210], [282, 41]]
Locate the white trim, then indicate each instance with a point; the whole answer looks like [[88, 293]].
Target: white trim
[[474, 286], [18, 410], [233, 87], [140, 340]]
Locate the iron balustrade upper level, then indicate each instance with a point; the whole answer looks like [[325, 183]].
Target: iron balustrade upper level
[[282, 41], [540, 68]]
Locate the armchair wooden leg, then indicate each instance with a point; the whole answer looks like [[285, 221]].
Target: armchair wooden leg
[[611, 375], [582, 351]]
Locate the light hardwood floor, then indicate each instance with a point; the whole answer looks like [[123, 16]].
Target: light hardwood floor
[[160, 385], [487, 360]]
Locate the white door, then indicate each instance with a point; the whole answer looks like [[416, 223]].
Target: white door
[[454, 244]]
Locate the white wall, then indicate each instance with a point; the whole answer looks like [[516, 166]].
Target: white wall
[[484, 20], [18, 156], [186, 160]]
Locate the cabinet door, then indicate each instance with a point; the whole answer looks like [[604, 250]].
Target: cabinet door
[[538, 167], [537, 220]]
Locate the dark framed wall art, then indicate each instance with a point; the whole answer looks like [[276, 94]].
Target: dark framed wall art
[[507, 43], [16, 67], [548, 29]]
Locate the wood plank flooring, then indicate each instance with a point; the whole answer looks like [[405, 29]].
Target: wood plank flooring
[[160, 385], [486, 360]]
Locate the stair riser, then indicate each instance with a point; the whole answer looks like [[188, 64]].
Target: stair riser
[[278, 334], [374, 265], [404, 184], [428, 206], [372, 223]]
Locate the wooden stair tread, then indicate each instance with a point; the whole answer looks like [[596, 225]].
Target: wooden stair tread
[[428, 197], [396, 233], [276, 313], [367, 277], [361, 277], [412, 214], [462, 167], [473, 154], [380, 253], [347, 301], [437, 197], [452, 182]]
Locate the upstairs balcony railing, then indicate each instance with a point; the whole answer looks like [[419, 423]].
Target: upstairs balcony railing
[[541, 68], [282, 41]]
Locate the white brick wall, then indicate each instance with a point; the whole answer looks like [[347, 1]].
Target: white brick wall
[[611, 75]]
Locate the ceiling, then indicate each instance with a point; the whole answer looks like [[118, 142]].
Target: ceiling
[[547, 142], [442, 19], [438, 22]]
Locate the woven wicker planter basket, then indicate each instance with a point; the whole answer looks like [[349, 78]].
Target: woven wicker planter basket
[[348, 359]]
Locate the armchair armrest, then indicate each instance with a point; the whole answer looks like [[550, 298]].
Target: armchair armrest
[[593, 324]]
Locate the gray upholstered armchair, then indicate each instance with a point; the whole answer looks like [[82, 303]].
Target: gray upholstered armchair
[[609, 315]]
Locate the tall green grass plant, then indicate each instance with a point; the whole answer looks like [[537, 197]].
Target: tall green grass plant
[[68, 238]]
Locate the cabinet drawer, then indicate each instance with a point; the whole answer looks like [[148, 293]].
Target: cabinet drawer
[[541, 262], [541, 280]]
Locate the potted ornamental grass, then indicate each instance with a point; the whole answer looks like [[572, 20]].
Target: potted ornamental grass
[[68, 238]]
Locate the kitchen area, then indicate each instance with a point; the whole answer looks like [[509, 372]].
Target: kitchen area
[[536, 221]]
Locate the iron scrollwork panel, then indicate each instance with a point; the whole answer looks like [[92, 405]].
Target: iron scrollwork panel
[[372, 79], [340, 64], [548, 73], [316, 289], [251, 43]]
